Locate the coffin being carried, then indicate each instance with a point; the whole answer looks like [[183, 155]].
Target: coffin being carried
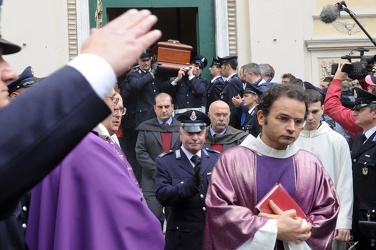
[[173, 55]]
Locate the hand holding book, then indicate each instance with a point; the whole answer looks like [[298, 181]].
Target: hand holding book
[[282, 199]]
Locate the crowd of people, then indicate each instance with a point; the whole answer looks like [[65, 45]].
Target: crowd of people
[[194, 156]]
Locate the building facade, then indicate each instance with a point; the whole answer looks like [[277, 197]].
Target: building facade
[[286, 34]]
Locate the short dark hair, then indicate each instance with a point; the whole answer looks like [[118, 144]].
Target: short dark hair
[[314, 96], [233, 63], [282, 90]]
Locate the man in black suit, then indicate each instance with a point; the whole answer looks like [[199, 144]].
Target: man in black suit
[[363, 154], [140, 87], [182, 179], [216, 85], [156, 136], [233, 87], [57, 112]]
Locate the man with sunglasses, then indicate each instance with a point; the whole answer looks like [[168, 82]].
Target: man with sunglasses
[[363, 154], [188, 89], [244, 174]]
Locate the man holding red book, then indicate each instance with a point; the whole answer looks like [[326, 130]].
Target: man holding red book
[[243, 175]]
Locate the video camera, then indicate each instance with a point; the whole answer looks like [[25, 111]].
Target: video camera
[[357, 70]]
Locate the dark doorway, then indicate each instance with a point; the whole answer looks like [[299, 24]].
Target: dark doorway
[[175, 23]]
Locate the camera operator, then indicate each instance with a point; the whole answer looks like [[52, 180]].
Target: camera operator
[[188, 89], [333, 105]]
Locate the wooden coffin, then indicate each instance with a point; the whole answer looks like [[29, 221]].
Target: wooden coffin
[[173, 55]]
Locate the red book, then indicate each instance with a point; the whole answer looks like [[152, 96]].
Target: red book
[[282, 199]]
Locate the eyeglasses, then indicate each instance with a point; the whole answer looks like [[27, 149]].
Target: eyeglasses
[[115, 100], [284, 119], [122, 111]]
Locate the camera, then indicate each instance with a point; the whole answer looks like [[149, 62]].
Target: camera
[[357, 70]]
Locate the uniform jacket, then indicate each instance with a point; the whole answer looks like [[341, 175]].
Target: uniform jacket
[[233, 87], [213, 92], [52, 111], [176, 190], [149, 147], [142, 87], [251, 124], [187, 93], [364, 176]]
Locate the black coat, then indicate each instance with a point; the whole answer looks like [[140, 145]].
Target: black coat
[[187, 93], [141, 88], [233, 87], [213, 92]]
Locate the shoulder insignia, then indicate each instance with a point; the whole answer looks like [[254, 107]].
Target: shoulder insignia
[[165, 153], [212, 150], [177, 154]]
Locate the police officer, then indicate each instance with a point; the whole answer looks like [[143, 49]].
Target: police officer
[[138, 91], [363, 154], [233, 87], [25, 80], [182, 180], [188, 89], [213, 92], [250, 100]]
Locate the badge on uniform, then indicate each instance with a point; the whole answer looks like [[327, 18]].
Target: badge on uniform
[[365, 170]]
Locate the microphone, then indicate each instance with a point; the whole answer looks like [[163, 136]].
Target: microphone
[[330, 13]]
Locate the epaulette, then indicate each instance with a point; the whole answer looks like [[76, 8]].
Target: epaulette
[[165, 153], [212, 150]]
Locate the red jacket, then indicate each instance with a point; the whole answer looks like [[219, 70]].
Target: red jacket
[[335, 109]]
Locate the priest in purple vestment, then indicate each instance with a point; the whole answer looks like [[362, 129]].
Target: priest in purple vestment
[[92, 199], [244, 174]]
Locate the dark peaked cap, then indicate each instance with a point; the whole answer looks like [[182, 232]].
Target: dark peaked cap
[[363, 98], [25, 79], [253, 90], [215, 61], [308, 85], [200, 61], [146, 54], [225, 59], [193, 121]]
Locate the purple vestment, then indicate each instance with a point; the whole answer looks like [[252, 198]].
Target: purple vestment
[[91, 201], [231, 217]]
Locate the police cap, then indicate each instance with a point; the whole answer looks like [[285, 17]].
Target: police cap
[[308, 85], [226, 59], [215, 62], [363, 98], [193, 121], [25, 79], [146, 54], [201, 61], [252, 89]]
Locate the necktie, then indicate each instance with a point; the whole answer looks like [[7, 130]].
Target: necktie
[[165, 123], [363, 138], [195, 159]]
